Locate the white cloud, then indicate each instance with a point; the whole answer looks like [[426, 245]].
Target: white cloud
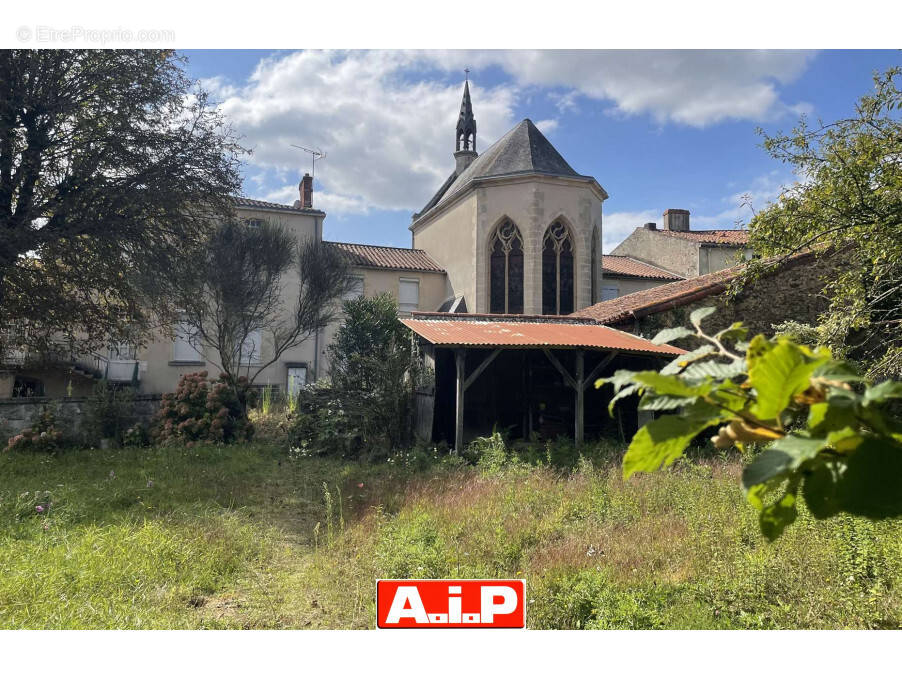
[[617, 225], [692, 87], [738, 209], [388, 134], [386, 119], [547, 126]]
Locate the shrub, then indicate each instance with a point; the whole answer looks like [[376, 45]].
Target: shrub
[[368, 408], [108, 412], [205, 411], [42, 436]]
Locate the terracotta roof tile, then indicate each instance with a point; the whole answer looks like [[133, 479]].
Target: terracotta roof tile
[[673, 295], [263, 204], [627, 267], [378, 256], [723, 236]]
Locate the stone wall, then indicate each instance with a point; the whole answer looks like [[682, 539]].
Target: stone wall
[[790, 293], [17, 414]]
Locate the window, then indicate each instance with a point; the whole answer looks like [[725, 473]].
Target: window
[[356, 290], [297, 379], [409, 295], [254, 223], [557, 271], [122, 350], [250, 349], [506, 269], [609, 292], [186, 347]]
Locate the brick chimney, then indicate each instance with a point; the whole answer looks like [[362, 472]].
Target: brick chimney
[[650, 226], [306, 190], [676, 220]]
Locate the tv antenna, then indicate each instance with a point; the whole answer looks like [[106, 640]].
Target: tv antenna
[[316, 154]]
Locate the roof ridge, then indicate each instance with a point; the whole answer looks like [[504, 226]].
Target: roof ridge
[[362, 244]]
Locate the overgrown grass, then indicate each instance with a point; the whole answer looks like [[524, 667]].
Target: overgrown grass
[[246, 537]]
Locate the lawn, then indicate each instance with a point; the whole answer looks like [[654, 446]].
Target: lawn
[[249, 537]]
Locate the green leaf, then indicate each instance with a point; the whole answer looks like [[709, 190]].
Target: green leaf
[[700, 314], [622, 393], [660, 442], [781, 458], [715, 369], [682, 361], [766, 466], [655, 402], [667, 384], [774, 519], [832, 415], [672, 334], [777, 375], [838, 370], [882, 392]]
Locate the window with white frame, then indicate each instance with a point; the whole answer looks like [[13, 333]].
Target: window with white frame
[[250, 349], [609, 292], [186, 345], [254, 223], [355, 291], [409, 295]]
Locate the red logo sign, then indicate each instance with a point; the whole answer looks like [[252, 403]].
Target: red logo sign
[[450, 603]]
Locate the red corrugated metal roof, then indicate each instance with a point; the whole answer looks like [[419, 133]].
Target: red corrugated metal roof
[[532, 334]]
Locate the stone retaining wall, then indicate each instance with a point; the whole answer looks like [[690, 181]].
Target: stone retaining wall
[[17, 414]]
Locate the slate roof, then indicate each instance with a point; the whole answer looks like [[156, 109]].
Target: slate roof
[[627, 267], [723, 236], [263, 204], [523, 150], [378, 256], [675, 294]]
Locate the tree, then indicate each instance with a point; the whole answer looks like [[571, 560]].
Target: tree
[[848, 199], [112, 167], [237, 289], [373, 367], [831, 437]]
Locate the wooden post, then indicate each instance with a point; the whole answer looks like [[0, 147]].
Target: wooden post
[[460, 359], [579, 431]]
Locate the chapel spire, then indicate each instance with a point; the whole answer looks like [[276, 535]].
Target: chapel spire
[[466, 123]]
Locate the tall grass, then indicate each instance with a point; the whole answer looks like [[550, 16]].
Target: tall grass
[[245, 537]]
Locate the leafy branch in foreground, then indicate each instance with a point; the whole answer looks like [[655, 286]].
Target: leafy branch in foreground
[[829, 436]]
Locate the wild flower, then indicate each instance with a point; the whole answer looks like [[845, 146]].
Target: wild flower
[[39, 508]]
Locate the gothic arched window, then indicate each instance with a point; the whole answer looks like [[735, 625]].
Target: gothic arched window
[[557, 270], [506, 274]]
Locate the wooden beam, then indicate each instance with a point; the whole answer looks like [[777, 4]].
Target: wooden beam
[[479, 370], [560, 368], [598, 368], [460, 360], [579, 424]]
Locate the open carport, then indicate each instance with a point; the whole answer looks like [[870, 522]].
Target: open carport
[[524, 374]]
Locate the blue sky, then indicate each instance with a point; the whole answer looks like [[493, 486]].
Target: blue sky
[[657, 129]]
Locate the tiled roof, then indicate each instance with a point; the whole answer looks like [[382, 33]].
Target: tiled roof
[[722, 236], [263, 204], [457, 331], [627, 267], [378, 256], [673, 295], [523, 150]]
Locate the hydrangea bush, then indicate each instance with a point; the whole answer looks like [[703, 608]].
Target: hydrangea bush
[[205, 411]]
